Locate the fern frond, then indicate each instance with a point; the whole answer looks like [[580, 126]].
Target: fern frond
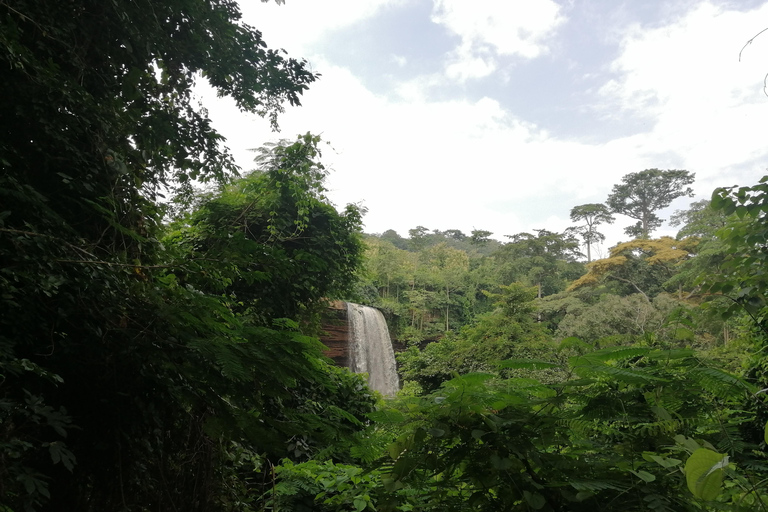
[[658, 429], [386, 416], [672, 402], [662, 355], [339, 412], [720, 383], [627, 376], [617, 353], [596, 485], [228, 357], [579, 426], [527, 364], [528, 386]]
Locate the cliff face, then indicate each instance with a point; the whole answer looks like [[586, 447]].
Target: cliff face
[[336, 333]]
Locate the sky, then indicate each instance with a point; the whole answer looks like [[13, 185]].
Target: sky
[[502, 115]]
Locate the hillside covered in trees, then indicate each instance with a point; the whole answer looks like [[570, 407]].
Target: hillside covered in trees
[[161, 309]]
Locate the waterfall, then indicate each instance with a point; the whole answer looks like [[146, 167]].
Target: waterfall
[[371, 348]]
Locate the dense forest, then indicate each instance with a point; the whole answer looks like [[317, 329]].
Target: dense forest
[[161, 309]]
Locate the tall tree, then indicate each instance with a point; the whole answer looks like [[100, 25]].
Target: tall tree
[[447, 268], [388, 267], [418, 238], [641, 194], [395, 239], [543, 260], [97, 116], [592, 215], [480, 236], [700, 220]]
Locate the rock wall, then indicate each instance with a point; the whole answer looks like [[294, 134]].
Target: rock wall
[[335, 334]]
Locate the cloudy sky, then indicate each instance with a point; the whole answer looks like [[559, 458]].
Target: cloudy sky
[[504, 114]]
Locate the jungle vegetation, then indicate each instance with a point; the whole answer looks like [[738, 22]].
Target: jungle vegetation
[[160, 309]]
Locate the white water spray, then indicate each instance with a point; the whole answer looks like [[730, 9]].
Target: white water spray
[[371, 348]]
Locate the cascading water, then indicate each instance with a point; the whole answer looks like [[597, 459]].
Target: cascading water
[[371, 348]]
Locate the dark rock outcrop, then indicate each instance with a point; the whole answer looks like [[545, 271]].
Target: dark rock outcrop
[[335, 333]]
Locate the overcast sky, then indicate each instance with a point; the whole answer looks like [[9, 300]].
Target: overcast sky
[[504, 114]]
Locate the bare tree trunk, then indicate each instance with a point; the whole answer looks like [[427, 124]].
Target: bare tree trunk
[[538, 314], [447, 305]]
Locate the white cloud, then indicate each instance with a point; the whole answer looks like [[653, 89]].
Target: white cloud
[[298, 24], [706, 107], [443, 164], [400, 60], [492, 28], [466, 63], [453, 164], [414, 158]]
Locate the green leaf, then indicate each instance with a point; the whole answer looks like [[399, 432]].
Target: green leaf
[[535, 500], [661, 413], [59, 453], [683, 334], [687, 442], [704, 471], [436, 432], [617, 353], [644, 476], [471, 379], [665, 462], [501, 463], [359, 504], [717, 200]]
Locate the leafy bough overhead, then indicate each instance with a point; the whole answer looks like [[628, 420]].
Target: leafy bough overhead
[[129, 373]]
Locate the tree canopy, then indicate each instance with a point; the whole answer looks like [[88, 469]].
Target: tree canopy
[[641, 194], [592, 215], [143, 366]]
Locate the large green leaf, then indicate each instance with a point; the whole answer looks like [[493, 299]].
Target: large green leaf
[[704, 473]]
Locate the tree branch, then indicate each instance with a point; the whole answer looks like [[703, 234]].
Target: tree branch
[[633, 285]]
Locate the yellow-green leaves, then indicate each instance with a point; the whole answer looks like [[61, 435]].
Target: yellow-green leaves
[[704, 473]]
